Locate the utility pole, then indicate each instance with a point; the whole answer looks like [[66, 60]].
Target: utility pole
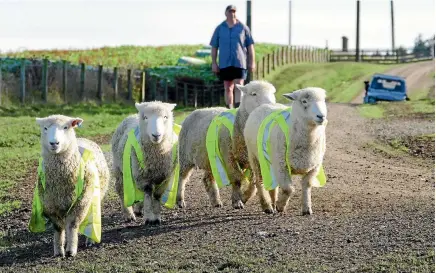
[[249, 15], [358, 31], [289, 41], [393, 26]]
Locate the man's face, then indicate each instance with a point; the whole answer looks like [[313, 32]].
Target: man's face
[[231, 14]]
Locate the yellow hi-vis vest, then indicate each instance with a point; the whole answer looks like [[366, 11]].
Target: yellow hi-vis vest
[[132, 194], [91, 225], [282, 119], [217, 164]]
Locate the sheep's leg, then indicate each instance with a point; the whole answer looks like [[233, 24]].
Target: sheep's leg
[[148, 206], [264, 199], [137, 208], [273, 195], [185, 173], [307, 191], [72, 235], [212, 189], [59, 241], [127, 211], [237, 195], [285, 184], [250, 191]]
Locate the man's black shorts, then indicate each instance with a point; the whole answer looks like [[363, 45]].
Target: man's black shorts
[[231, 73]]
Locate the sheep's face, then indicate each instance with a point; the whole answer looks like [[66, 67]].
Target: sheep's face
[[57, 131], [156, 120], [309, 104], [255, 94]]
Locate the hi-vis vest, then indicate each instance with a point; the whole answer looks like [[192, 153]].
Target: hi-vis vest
[[132, 194], [282, 119], [91, 225], [217, 164]]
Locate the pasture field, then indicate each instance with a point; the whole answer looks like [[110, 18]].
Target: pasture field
[[376, 213]]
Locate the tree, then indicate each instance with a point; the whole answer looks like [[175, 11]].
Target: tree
[[420, 48]]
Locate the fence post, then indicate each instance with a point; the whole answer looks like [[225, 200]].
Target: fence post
[[64, 79], [397, 53], [210, 90], [82, 81], [129, 84], [99, 80], [283, 55], [195, 96], [115, 83], [153, 85], [177, 91], [185, 94], [44, 79], [268, 63], [263, 67], [257, 70], [273, 60], [166, 91], [143, 76], [23, 80]]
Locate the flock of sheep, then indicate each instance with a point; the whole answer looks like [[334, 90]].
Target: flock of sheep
[[258, 145]]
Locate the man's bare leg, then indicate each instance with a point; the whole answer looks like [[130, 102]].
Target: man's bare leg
[[228, 95], [238, 93]]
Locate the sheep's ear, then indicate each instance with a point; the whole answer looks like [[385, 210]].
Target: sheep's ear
[[76, 122], [292, 96], [242, 88], [39, 120], [171, 106], [138, 106]]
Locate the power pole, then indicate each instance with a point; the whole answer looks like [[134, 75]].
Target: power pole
[[249, 15], [393, 26], [358, 32], [289, 41]]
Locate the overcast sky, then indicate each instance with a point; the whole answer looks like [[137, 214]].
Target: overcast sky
[[37, 24]]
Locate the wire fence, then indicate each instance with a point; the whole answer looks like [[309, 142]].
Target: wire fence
[[35, 81]]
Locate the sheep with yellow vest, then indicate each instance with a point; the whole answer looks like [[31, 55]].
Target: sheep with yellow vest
[[145, 161], [211, 139], [73, 177], [284, 141]]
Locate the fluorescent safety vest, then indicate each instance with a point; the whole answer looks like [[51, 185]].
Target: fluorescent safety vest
[[132, 194], [282, 119], [217, 164], [91, 225]]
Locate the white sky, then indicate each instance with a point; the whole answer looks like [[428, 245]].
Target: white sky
[[67, 24]]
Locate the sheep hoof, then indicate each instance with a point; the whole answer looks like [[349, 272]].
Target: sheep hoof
[[89, 242], [218, 205], [269, 211], [155, 222], [181, 204], [238, 205], [71, 254], [309, 212], [138, 214], [61, 255], [130, 218]]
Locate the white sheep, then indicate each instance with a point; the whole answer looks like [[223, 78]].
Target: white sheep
[[152, 127], [306, 122], [193, 147], [73, 177]]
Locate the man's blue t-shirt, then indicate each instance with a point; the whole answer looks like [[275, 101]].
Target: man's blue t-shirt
[[232, 44]]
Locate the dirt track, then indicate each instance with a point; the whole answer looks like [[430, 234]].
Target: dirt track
[[373, 207], [416, 75]]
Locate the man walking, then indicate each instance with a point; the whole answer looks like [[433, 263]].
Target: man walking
[[234, 41]]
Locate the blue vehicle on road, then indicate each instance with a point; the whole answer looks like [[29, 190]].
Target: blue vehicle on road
[[385, 88]]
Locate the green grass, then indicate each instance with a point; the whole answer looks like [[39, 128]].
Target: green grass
[[128, 56], [343, 81], [20, 136]]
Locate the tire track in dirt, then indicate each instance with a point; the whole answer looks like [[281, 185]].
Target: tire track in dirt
[[417, 77]]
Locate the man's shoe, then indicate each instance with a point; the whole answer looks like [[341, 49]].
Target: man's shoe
[[230, 106], [237, 104]]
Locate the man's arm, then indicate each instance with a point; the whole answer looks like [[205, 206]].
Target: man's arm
[[251, 57], [214, 42], [214, 55]]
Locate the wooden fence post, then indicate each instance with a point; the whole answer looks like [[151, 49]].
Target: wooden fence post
[[257, 70], [177, 91], [153, 85], [263, 67], [99, 80], [211, 99], [115, 83], [129, 85], [283, 55], [268, 63], [195, 96], [185, 94], [64, 80], [166, 91], [143, 76], [273, 61], [82, 81], [23, 80], [44, 79]]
